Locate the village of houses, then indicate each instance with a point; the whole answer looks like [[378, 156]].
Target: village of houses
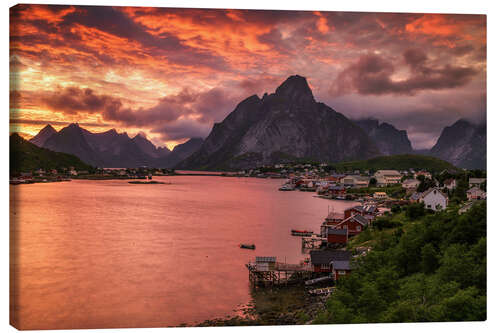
[[67, 174], [328, 258]]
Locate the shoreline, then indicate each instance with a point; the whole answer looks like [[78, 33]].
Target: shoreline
[[287, 305]]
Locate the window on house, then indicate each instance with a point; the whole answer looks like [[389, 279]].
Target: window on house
[[428, 206], [341, 272], [344, 227], [325, 266], [358, 228]]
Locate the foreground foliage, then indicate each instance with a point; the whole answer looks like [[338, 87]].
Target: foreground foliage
[[431, 268], [25, 156]]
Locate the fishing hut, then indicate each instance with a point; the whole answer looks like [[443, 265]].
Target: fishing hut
[[313, 242], [268, 272]]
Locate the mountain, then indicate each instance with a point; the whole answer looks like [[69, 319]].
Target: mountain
[[72, 140], [398, 162], [149, 148], [43, 135], [26, 156], [463, 144], [389, 140], [285, 125], [109, 149]]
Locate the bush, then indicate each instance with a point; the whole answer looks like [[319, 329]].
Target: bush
[[386, 223], [396, 209], [415, 211]]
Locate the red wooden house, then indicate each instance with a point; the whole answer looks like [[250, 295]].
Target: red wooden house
[[337, 236], [367, 211], [354, 224]]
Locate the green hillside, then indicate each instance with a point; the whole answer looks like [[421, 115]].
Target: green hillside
[[398, 162], [25, 156], [423, 267]]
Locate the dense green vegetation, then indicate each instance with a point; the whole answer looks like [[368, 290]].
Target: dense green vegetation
[[25, 156], [397, 162], [395, 191], [423, 267]]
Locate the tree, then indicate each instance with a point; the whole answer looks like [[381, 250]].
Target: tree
[[415, 211], [425, 184], [430, 258]]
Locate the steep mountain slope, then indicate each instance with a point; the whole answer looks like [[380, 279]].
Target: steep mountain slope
[[72, 140], [463, 144], [149, 148], [26, 156], [389, 140], [284, 125], [43, 135]]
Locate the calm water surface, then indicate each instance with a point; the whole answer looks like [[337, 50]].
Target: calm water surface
[[89, 254]]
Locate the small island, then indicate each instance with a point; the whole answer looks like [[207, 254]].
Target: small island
[[146, 182]]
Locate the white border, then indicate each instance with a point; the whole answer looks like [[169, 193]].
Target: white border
[[423, 6]]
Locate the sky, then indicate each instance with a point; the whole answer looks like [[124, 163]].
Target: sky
[[172, 73]]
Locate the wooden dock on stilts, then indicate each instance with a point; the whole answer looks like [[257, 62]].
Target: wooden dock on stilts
[[313, 242], [277, 273]]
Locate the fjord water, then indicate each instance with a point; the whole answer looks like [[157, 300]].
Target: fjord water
[[103, 254]]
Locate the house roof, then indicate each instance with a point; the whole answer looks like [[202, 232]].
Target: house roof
[[327, 256], [475, 189], [365, 208], [388, 173], [265, 259], [416, 196], [342, 232], [358, 218], [341, 264], [424, 194], [337, 175]]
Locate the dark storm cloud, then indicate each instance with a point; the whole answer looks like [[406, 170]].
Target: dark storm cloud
[[182, 129], [53, 122], [206, 106], [372, 75]]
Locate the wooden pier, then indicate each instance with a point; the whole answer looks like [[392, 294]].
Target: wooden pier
[[313, 242], [277, 273]]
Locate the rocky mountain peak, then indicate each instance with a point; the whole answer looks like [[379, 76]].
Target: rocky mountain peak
[[295, 89], [462, 144]]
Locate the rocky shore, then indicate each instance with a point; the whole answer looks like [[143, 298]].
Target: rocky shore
[[278, 306]]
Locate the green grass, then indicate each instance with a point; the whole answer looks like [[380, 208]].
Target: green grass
[[397, 162]]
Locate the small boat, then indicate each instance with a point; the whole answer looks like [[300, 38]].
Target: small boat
[[248, 246], [286, 187], [296, 232]]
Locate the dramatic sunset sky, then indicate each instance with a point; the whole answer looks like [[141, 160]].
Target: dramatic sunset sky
[[172, 73]]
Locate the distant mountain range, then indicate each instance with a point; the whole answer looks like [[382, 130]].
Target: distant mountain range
[[112, 149], [389, 140], [283, 126]]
